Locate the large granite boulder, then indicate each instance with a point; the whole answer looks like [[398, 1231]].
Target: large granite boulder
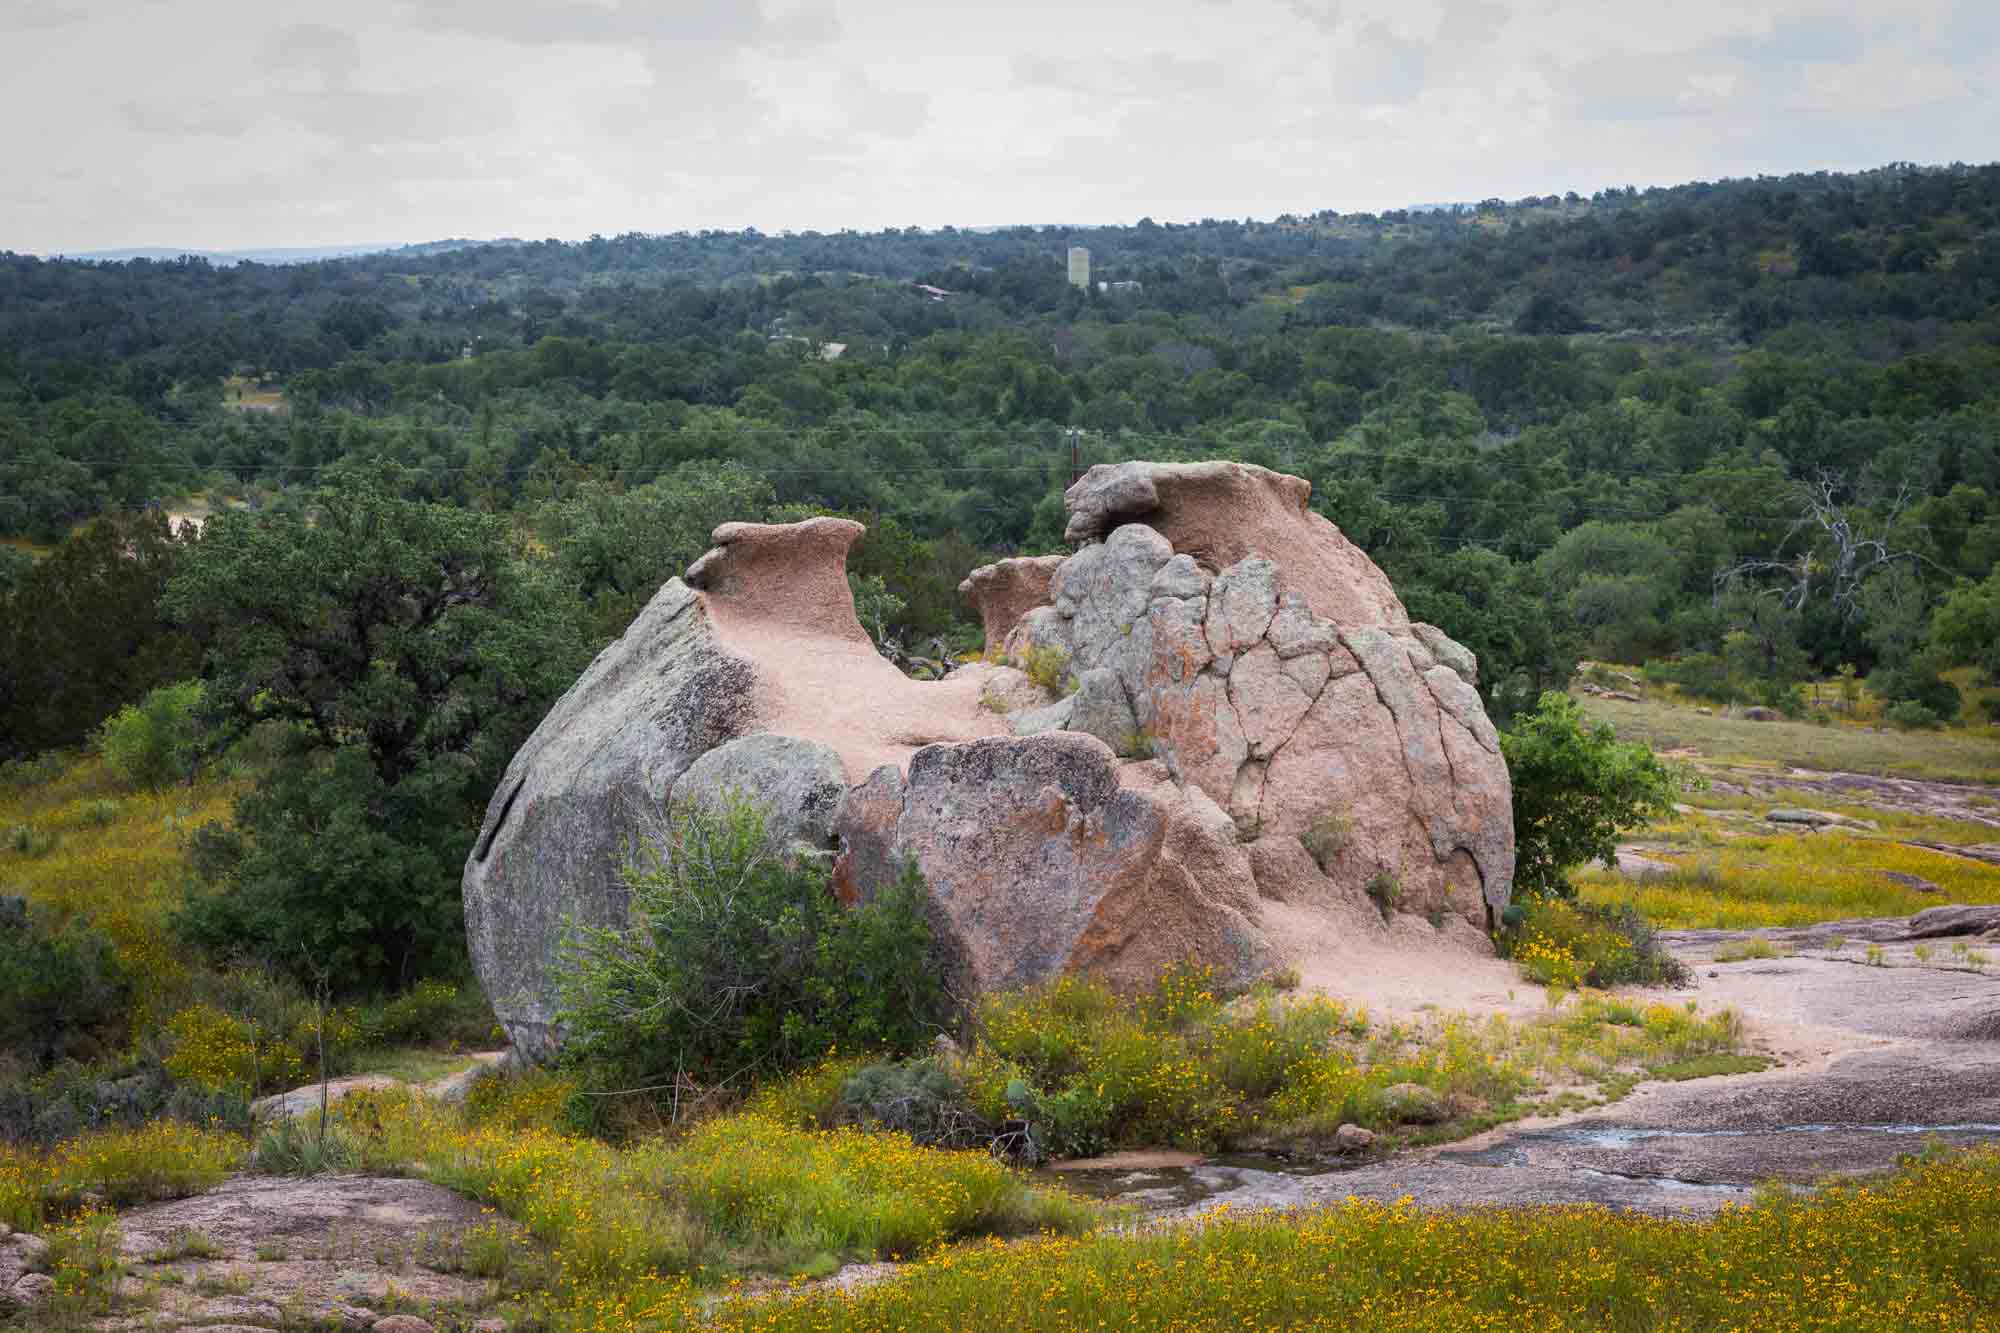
[[1254, 722], [1268, 663]]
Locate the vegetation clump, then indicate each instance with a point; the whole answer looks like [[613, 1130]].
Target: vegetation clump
[[152, 743], [1575, 787], [739, 960], [1077, 1069], [1048, 667], [1557, 942], [1330, 834]]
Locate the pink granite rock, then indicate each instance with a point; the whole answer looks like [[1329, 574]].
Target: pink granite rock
[[1257, 667], [1004, 592]]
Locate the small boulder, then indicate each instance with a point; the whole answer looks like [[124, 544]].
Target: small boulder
[[1009, 690], [1936, 923], [30, 1250], [33, 1289], [1816, 819], [1181, 577], [1634, 866], [1006, 591], [799, 782], [1049, 717], [402, 1323], [1412, 1104], [1353, 1138]]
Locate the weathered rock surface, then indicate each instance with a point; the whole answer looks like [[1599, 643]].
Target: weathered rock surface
[[1239, 674], [1286, 682], [766, 642], [330, 1249], [1008, 590]]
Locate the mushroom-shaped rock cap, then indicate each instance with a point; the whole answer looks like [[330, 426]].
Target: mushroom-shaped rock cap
[[1222, 513], [1005, 591], [792, 574]]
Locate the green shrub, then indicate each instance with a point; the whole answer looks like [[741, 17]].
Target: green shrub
[[331, 870], [918, 1098], [1093, 1070], [740, 959], [1912, 715], [62, 992], [1915, 683], [27, 840], [1329, 835], [1575, 787], [1385, 890], [20, 774], [151, 743], [1048, 668], [429, 1013], [1699, 675], [101, 813]]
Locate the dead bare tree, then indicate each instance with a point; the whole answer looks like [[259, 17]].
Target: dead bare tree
[[1825, 522]]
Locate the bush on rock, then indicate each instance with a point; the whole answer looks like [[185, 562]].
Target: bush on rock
[[739, 958]]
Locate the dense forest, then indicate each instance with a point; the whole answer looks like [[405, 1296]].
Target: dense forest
[[1746, 432]]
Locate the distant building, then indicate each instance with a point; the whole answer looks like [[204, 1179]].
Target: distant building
[[1079, 267], [1129, 285], [935, 293]]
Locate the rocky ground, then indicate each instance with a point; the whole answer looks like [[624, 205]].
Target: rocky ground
[[1883, 1052], [332, 1251], [1880, 1059]]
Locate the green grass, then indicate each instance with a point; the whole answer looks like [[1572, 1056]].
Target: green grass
[[411, 1064], [1710, 1066], [1741, 951], [1186, 1067], [650, 1225], [112, 855], [1912, 1251], [1958, 754]]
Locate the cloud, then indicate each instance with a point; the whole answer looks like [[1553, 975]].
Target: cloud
[[314, 47], [872, 108], [223, 123], [690, 29], [176, 118]]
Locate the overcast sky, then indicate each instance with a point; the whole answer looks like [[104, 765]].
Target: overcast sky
[[237, 123]]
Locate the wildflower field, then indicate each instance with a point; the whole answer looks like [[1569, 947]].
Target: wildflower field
[[1734, 872], [162, 1160], [1915, 1251], [656, 1236]]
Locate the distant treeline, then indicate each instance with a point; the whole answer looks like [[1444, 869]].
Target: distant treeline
[[1554, 421]]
